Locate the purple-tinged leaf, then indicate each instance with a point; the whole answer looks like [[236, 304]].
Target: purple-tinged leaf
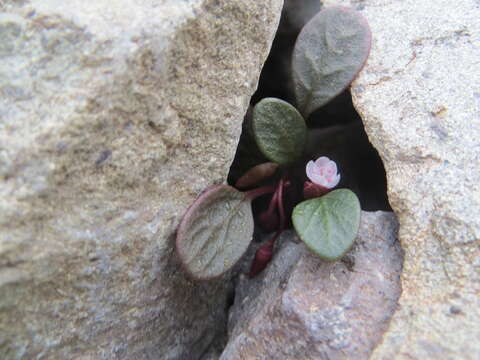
[[215, 232], [329, 53], [256, 175]]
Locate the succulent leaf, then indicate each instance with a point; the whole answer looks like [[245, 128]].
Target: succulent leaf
[[279, 130], [215, 232], [329, 224], [256, 174], [329, 53]]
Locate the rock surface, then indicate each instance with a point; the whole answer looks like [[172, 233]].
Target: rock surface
[[419, 98], [113, 117], [301, 307]]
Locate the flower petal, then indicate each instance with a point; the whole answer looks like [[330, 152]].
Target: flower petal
[[335, 181], [310, 169], [332, 166], [322, 161], [319, 180], [323, 172]]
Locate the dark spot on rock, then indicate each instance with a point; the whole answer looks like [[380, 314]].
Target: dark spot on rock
[[104, 155], [349, 262], [61, 147], [153, 126], [439, 131], [455, 310]]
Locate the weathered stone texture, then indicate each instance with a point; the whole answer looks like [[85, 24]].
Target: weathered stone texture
[[114, 115], [419, 98], [302, 307]]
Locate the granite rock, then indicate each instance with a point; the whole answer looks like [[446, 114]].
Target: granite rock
[[302, 307], [419, 98], [113, 117]]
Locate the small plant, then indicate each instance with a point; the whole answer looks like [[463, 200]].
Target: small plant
[[217, 228]]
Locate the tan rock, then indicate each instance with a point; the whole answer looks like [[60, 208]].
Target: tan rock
[[419, 98], [302, 307], [114, 115]]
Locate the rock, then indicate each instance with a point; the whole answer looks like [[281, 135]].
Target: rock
[[114, 116], [419, 98], [302, 307]]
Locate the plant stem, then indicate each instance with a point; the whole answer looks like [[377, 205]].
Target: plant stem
[[273, 202], [271, 242], [264, 253], [281, 209], [253, 194]]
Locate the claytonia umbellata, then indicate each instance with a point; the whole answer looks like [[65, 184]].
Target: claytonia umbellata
[[323, 176], [217, 228], [323, 172]]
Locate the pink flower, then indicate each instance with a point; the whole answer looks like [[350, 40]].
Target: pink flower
[[323, 172]]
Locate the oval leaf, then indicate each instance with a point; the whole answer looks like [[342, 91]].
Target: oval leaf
[[329, 53], [329, 224], [279, 130], [257, 174], [215, 232]]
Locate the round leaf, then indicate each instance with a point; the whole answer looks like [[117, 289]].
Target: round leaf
[[329, 53], [279, 130], [329, 224], [215, 232]]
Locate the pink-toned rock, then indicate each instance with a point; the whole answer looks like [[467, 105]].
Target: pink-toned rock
[[304, 308]]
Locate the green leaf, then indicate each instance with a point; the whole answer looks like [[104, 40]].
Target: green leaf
[[215, 232], [329, 53], [329, 224], [279, 130]]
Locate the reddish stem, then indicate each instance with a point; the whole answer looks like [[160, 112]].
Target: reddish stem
[[265, 252], [269, 219], [253, 194], [275, 237], [263, 256], [273, 202], [281, 209]]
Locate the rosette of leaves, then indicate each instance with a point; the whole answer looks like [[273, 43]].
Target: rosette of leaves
[[217, 228]]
